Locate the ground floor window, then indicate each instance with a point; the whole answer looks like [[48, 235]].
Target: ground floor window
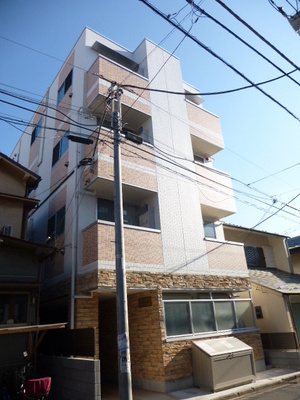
[[198, 313], [13, 308]]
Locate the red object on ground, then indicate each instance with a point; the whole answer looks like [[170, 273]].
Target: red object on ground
[[35, 388]]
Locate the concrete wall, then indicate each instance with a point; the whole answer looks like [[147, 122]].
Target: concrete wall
[[72, 378], [276, 316], [296, 262]]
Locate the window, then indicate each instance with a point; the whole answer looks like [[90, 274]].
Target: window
[[209, 230], [64, 87], [190, 313], [106, 210], [132, 215], [258, 312], [60, 149], [36, 132], [178, 321], [13, 308], [56, 224], [255, 256]]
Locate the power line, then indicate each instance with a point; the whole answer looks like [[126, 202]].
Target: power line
[[242, 41], [92, 130], [276, 212], [220, 59], [81, 125], [275, 173], [214, 93], [257, 34], [27, 123]]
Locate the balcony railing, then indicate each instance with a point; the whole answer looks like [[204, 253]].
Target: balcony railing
[[205, 130], [226, 257], [135, 103], [138, 169], [142, 246], [216, 193]]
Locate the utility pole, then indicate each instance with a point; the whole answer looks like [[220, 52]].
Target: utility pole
[[125, 390]]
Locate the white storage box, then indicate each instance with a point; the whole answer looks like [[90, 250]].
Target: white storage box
[[219, 364]]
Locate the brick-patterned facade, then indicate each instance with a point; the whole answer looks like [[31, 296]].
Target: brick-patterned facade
[[64, 107], [35, 146], [116, 73], [142, 247], [59, 170], [204, 124], [87, 316], [138, 164], [153, 357]]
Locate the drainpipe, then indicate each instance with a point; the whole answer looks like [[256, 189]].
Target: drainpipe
[[43, 137], [289, 256], [75, 241]]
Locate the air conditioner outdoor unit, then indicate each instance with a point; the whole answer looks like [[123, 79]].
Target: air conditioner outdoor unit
[[136, 136], [6, 230], [140, 131]]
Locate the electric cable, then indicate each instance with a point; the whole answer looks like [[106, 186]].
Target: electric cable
[[276, 212], [191, 2], [93, 131], [202, 94], [31, 124], [275, 173], [31, 110], [220, 59], [257, 34]]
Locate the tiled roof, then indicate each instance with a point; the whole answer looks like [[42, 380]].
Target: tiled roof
[[271, 278], [243, 228], [294, 242]]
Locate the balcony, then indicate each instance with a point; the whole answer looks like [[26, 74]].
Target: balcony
[[143, 248], [135, 102], [138, 169], [207, 138], [226, 257], [216, 193]]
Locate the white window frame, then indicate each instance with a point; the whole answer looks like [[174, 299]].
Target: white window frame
[[230, 299]]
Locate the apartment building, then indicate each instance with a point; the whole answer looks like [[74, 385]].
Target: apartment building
[[184, 280]]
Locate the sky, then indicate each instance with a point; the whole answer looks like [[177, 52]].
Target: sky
[[261, 128]]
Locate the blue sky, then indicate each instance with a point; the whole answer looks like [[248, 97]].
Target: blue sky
[[262, 140]]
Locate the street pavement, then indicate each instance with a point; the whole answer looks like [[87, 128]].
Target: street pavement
[[264, 380]]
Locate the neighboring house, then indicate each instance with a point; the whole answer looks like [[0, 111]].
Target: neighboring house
[[294, 248], [20, 264], [184, 280], [275, 292]]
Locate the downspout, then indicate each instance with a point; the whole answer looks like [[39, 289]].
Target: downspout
[[42, 145], [289, 256], [75, 235], [75, 246]]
